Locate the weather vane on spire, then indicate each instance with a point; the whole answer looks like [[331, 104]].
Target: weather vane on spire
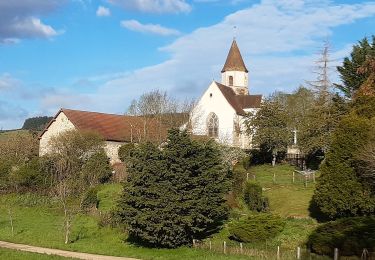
[[234, 32]]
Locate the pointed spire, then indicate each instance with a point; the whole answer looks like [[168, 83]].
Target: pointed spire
[[234, 60]]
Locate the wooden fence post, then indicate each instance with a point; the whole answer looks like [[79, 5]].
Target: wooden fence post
[[194, 243], [225, 247], [210, 245], [247, 176], [298, 253], [241, 248], [293, 176], [314, 177], [278, 252], [336, 254]]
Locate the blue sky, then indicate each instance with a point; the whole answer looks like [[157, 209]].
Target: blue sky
[[98, 55]]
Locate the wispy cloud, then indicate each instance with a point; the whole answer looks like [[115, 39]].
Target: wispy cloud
[[154, 6], [157, 29], [103, 11]]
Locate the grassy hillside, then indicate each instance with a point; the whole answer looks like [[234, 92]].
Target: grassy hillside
[[39, 221], [286, 198]]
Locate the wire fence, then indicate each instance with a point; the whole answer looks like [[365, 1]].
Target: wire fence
[[278, 252]]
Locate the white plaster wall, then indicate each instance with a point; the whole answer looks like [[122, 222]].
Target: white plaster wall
[[111, 149], [240, 78], [220, 106], [61, 124]]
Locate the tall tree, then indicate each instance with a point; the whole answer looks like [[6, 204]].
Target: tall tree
[[70, 152], [161, 109], [269, 126], [174, 194], [351, 79]]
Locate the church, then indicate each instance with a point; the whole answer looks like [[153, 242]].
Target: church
[[219, 113]]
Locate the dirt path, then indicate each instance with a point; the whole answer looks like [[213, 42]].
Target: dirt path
[[49, 251]]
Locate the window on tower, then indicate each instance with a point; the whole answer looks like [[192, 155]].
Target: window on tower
[[230, 80], [213, 125]]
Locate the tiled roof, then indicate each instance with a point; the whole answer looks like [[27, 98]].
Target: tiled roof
[[239, 102], [111, 127], [234, 60]]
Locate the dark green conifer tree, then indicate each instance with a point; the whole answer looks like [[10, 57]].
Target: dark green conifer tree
[[174, 194]]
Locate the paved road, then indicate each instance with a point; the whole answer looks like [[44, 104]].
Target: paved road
[[49, 251]]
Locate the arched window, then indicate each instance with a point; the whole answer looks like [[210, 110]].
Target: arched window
[[230, 80], [213, 125]]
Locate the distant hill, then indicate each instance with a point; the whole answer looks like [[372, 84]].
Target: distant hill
[[36, 123]]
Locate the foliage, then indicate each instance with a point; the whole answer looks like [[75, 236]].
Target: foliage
[[18, 147], [238, 180], [175, 194], [253, 197], [269, 126], [90, 198], [30, 176], [125, 150], [36, 123], [256, 227], [340, 192], [97, 168], [351, 79], [349, 235]]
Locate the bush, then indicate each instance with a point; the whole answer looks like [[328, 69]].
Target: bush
[[253, 197], [125, 150], [238, 180], [97, 168], [349, 235], [30, 176], [256, 227], [90, 198]]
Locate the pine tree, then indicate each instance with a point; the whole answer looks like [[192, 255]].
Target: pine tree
[[175, 194], [351, 79]]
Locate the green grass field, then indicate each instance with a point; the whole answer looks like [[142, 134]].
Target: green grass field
[[286, 198], [19, 255], [39, 221]]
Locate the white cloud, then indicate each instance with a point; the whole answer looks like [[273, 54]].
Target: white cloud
[[134, 25], [19, 19], [278, 44], [154, 6], [103, 11]]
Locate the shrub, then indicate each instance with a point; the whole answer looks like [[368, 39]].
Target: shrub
[[253, 197], [97, 168], [30, 176], [90, 198], [256, 227], [238, 180], [125, 150], [349, 235]]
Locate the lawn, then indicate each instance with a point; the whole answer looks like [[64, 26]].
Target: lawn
[[286, 198], [19, 255], [38, 221]]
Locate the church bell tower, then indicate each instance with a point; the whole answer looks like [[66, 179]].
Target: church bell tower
[[234, 73]]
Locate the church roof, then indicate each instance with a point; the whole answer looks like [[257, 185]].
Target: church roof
[[234, 60], [117, 128], [239, 102]]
